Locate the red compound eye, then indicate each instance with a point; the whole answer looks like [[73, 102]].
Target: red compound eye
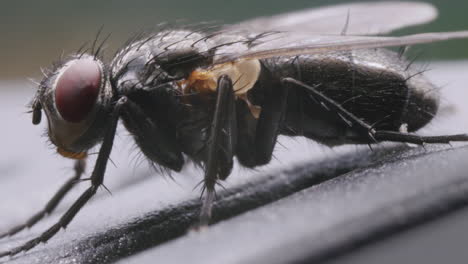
[[77, 89]]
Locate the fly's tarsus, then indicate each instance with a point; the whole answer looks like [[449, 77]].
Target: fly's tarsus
[[79, 168], [97, 178]]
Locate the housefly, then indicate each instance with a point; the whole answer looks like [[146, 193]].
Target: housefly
[[211, 95]]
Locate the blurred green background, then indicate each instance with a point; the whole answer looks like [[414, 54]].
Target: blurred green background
[[35, 33]]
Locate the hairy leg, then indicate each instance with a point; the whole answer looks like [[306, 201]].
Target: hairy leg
[[366, 129], [97, 178]]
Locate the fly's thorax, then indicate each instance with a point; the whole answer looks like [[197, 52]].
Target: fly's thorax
[[76, 98], [160, 58]]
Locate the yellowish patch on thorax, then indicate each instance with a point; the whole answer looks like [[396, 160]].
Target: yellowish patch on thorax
[[72, 155], [243, 73]]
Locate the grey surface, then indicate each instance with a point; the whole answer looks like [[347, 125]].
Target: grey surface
[[324, 220], [387, 190], [441, 241]]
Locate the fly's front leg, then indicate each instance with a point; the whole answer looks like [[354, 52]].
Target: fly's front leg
[[221, 144], [366, 129], [54, 201], [97, 178], [79, 168]]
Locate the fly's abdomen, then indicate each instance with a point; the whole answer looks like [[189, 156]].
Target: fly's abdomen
[[375, 85], [422, 104]]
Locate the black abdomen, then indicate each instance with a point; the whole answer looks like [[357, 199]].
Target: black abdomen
[[375, 85]]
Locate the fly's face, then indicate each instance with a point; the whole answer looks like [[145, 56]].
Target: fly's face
[[75, 97]]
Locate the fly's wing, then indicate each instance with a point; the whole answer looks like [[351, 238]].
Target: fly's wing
[[296, 43], [353, 19]]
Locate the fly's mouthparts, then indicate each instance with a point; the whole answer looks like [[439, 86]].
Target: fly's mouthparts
[[72, 155]]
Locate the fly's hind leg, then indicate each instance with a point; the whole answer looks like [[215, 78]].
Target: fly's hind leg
[[221, 145], [384, 135], [79, 168], [365, 129]]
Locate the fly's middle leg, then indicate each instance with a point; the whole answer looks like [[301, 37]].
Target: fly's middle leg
[[367, 130], [221, 144]]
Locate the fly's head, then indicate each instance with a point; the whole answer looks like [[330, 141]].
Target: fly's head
[[76, 98]]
